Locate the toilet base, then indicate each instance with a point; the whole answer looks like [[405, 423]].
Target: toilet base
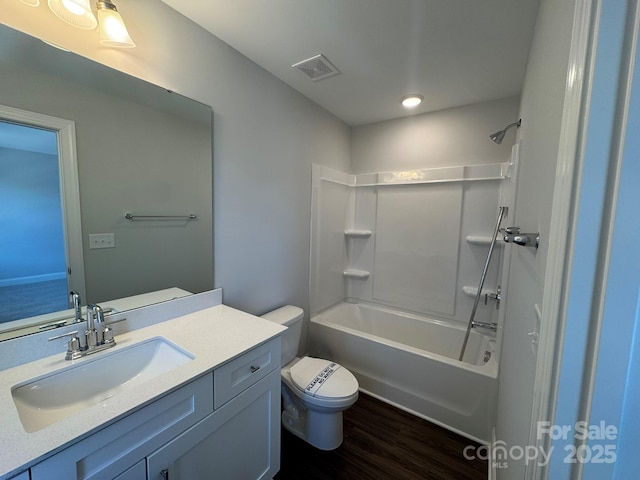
[[322, 430], [320, 427]]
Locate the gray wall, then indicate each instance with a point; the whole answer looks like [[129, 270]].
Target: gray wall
[[457, 136]]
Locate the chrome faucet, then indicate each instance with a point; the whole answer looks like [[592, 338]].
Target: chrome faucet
[[95, 319], [97, 337], [75, 299]]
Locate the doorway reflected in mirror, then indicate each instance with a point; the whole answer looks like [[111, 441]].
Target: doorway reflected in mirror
[[33, 266]]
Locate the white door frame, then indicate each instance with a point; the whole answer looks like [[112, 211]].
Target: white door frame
[[573, 308], [69, 187], [560, 247]]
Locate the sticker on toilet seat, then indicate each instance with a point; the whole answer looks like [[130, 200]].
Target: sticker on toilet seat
[[322, 377]]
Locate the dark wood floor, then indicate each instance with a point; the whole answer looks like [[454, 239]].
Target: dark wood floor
[[382, 442]]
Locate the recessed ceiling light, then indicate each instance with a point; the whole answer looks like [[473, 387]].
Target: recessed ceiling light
[[413, 100]]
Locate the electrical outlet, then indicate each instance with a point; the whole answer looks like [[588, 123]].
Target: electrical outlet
[[102, 240]]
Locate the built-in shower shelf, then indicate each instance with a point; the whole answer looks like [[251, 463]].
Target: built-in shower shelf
[[480, 240], [473, 291], [353, 273], [357, 233]]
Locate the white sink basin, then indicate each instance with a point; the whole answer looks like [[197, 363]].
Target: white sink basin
[[48, 399]]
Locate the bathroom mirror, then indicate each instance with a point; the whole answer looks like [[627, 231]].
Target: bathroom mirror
[[139, 149]]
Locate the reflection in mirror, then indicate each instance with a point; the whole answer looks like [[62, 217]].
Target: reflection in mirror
[[139, 149], [33, 263]]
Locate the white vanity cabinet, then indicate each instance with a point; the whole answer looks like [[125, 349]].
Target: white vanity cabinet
[[224, 424]]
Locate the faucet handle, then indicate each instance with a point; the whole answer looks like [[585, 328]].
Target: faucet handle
[[73, 346], [107, 335], [68, 334]]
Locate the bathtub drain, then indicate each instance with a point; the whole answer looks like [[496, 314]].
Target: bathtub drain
[[487, 356]]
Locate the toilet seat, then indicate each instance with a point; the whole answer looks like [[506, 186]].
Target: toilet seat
[[323, 379]]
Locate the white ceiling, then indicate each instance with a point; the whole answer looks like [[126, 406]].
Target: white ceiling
[[454, 52]]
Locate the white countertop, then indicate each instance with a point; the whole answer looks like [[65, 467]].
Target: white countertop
[[214, 335]]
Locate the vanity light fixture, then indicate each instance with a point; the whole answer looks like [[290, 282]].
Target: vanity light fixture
[[75, 12], [113, 31], [411, 101]]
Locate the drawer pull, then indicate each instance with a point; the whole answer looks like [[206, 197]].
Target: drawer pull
[[254, 369], [165, 474]]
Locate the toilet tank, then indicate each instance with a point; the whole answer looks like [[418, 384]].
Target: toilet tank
[[290, 317]]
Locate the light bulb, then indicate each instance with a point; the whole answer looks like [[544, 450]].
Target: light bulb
[[75, 12], [113, 31], [73, 7], [411, 101]]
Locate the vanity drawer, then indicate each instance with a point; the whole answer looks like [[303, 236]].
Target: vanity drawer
[[239, 374], [111, 451]]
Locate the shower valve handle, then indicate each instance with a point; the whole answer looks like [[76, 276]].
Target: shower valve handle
[[512, 234], [527, 239]]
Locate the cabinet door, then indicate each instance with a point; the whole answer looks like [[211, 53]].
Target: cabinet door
[[239, 441]]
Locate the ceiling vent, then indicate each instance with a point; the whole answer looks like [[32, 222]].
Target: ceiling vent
[[316, 68]]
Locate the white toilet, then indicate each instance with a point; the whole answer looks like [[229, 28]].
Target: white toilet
[[314, 391]]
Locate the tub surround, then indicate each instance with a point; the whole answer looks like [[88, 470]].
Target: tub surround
[[399, 238], [214, 335]]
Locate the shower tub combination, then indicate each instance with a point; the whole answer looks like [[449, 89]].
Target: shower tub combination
[[411, 362]]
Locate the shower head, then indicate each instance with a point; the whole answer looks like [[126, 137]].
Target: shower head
[[499, 136]]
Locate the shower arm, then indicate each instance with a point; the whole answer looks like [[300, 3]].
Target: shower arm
[[499, 135], [501, 213], [514, 124]]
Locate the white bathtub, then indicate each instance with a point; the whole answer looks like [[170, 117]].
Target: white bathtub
[[411, 361]]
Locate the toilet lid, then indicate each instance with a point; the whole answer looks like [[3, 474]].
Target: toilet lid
[[323, 378]]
